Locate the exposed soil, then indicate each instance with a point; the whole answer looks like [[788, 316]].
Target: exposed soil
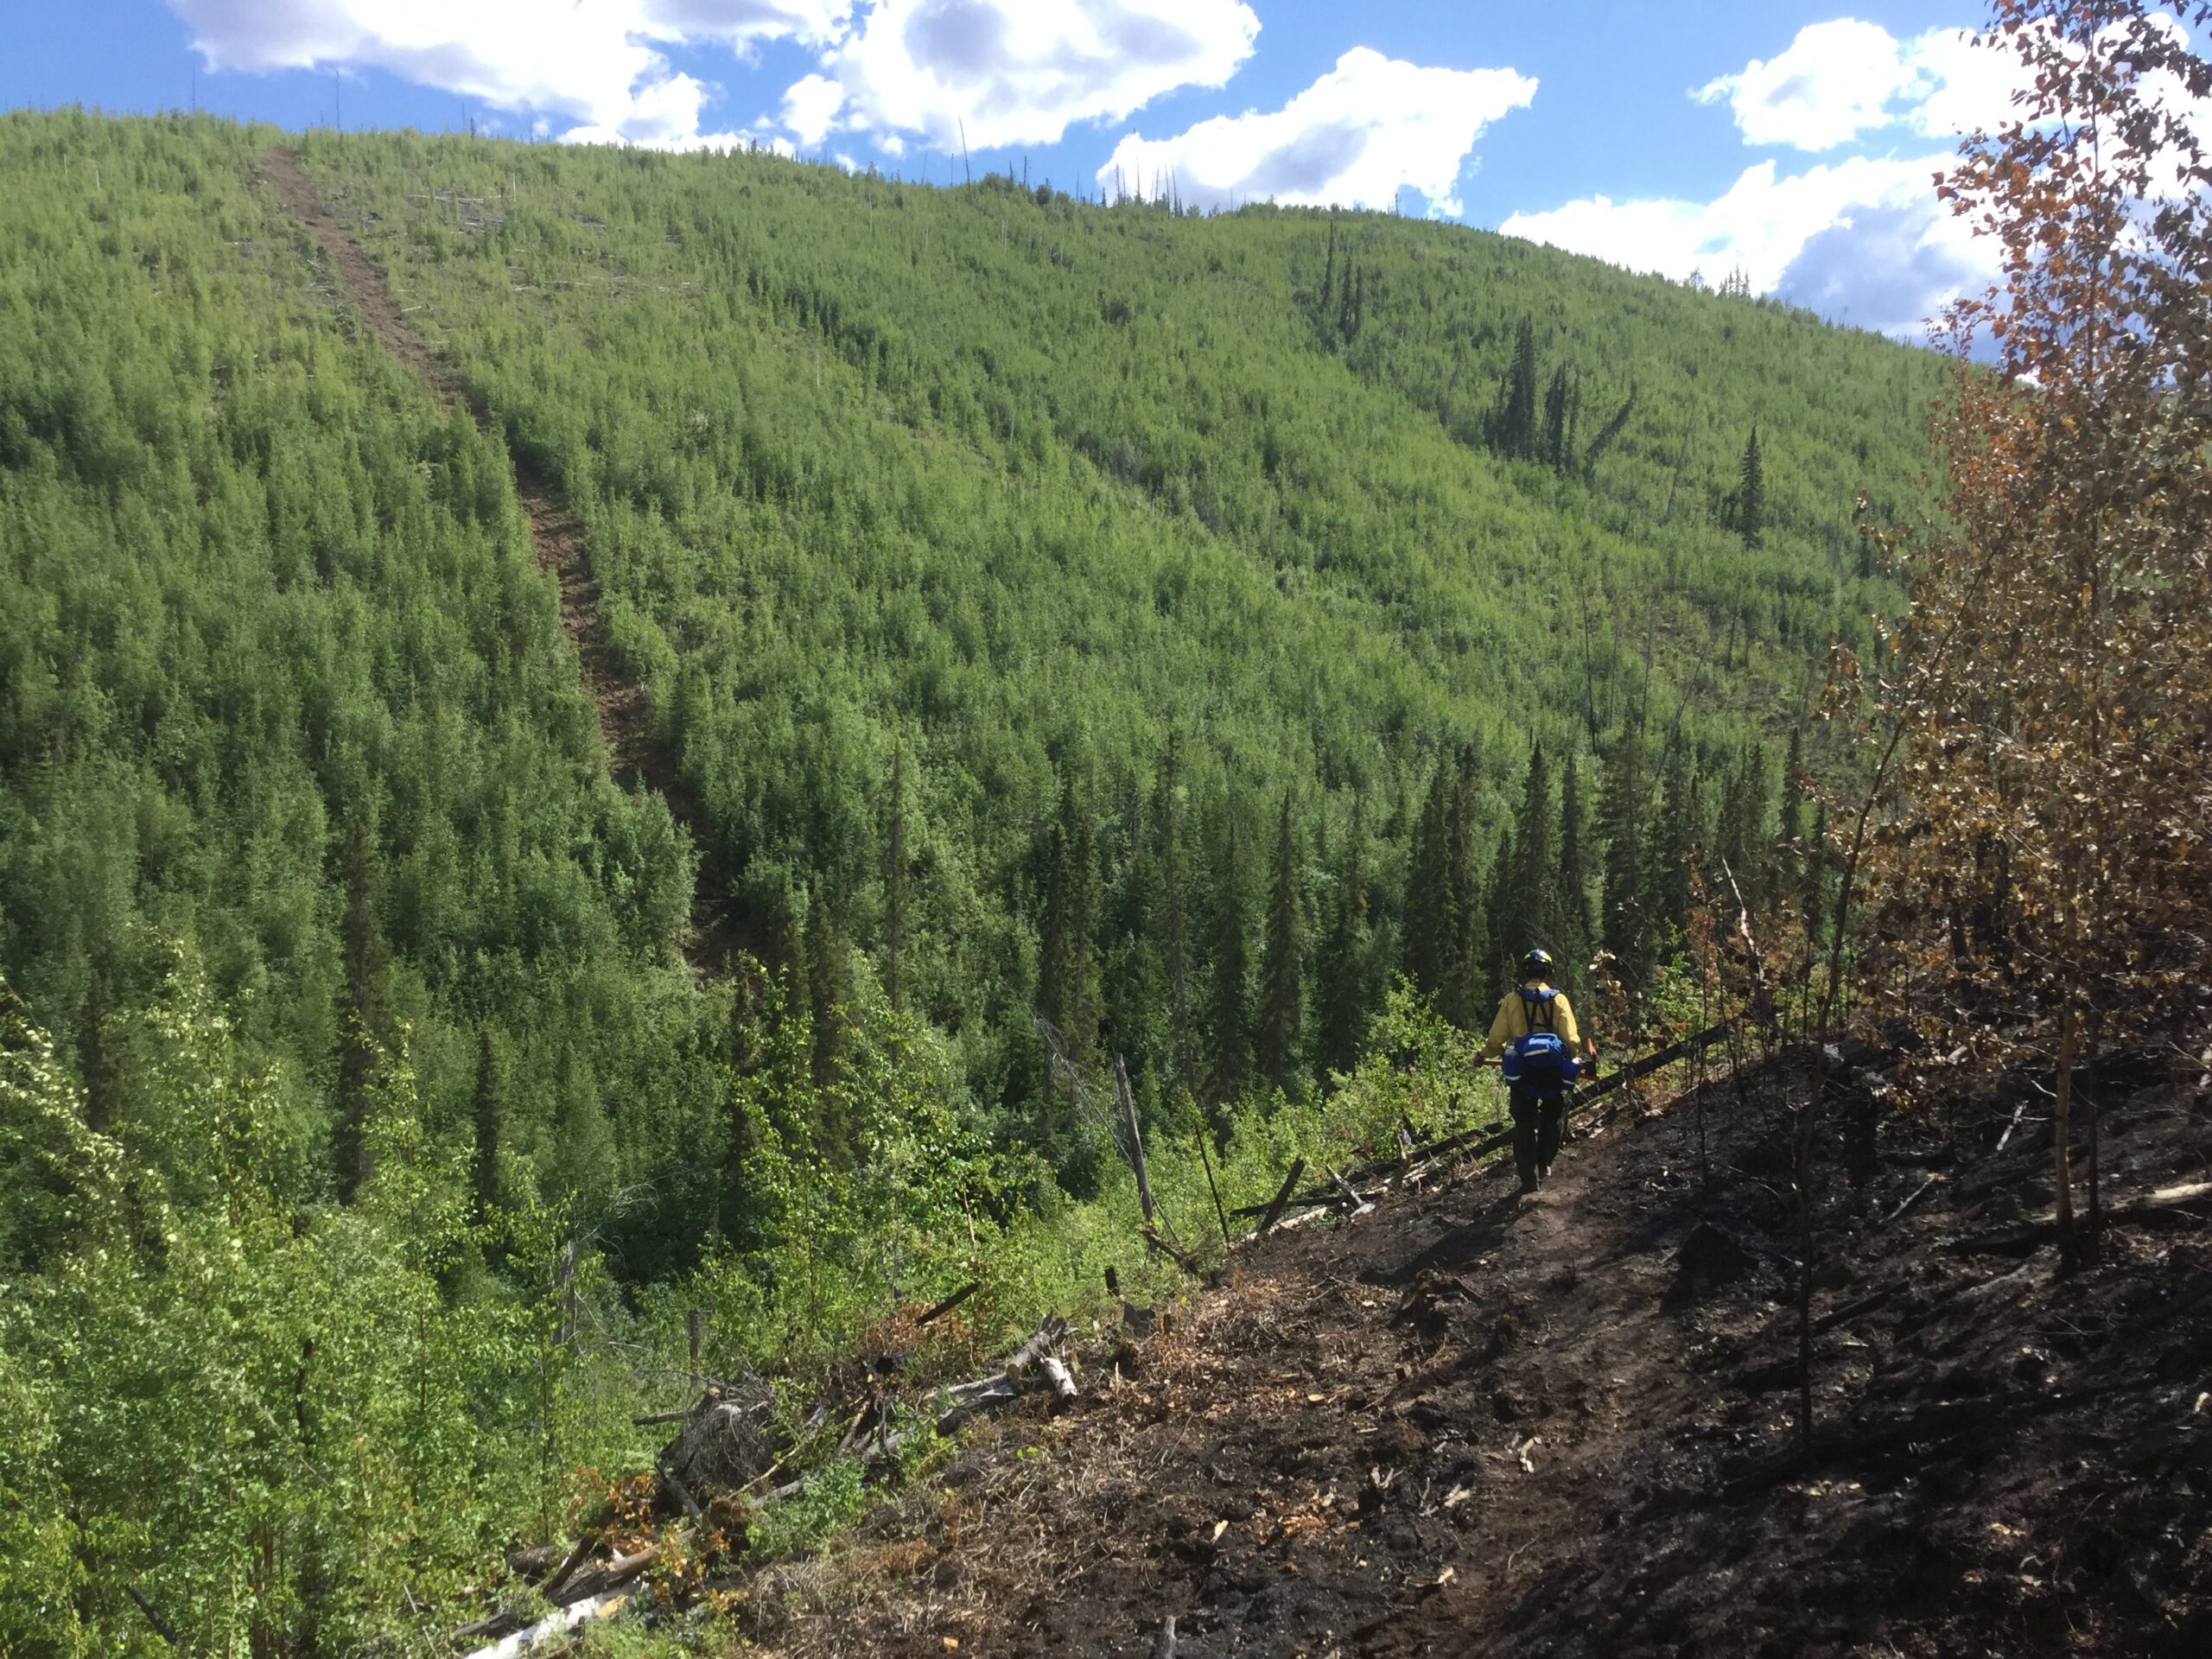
[[1470, 1422], [637, 758]]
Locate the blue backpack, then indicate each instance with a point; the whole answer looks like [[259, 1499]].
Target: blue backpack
[[1539, 1062]]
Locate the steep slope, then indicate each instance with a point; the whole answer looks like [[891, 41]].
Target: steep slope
[[1026, 489], [283, 684], [637, 758], [1472, 1423]]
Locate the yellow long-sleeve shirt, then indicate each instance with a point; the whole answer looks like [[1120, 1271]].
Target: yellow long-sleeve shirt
[[1512, 1021]]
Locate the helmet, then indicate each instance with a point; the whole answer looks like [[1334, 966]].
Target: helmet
[[1537, 965]]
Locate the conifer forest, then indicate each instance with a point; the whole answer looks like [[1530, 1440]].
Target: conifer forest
[[721, 757]]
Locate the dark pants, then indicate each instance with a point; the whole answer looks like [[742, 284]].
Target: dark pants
[[1538, 1123]]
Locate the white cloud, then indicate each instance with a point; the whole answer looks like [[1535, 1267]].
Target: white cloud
[[1864, 239], [1961, 86], [1014, 71], [1359, 133], [811, 108], [598, 62], [1832, 82], [1002, 72], [1840, 79]]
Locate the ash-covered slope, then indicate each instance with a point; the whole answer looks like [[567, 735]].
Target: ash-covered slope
[[1467, 1423]]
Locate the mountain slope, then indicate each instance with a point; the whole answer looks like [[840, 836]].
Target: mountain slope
[[1061, 627], [1027, 487]]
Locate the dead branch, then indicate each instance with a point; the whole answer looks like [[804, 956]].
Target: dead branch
[[950, 1302], [1281, 1197]]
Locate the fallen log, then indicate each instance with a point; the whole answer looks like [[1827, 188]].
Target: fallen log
[[1000, 1391], [160, 1625], [532, 1564], [1918, 1194], [1047, 1338], [571, 1561], [1056, 1372], [562, 1619], [2191, 1202], [1182, 1259], [592, 1582], [1301, 1201], [607, 1575], [675, 1483], [1851, 1310]]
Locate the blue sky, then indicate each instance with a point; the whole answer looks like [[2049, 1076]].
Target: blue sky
[[1796, 140]]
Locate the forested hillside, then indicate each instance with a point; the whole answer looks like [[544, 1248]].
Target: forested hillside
[[1106, 630], [1141, 568]]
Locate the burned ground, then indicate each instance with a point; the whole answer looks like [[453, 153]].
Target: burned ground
[[1470, 1422]]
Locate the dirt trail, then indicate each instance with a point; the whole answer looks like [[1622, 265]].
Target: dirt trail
[[1470, 1422], [637, 759]]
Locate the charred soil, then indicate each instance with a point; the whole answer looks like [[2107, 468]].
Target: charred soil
[[1468, 1421]]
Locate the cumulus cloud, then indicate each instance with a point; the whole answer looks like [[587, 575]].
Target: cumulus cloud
[[1863, 237], [1832, 82], [1888, 265], [1841, 79], [1000, 72], [1369, 126], [1013, 72], [811, 108], [600, 63]]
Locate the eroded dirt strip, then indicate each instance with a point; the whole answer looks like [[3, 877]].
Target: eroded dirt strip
[[637, 759], [1472, 1423]]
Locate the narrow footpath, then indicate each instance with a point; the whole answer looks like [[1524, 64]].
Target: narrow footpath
[[635, 756], [1468, 1422]]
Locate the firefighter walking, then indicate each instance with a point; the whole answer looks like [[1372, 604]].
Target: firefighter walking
[[1543, 1049]]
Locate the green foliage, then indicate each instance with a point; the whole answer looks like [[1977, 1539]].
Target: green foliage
[[278, 676], [834, 1496], [282, 1426], [1020, 494], [1136, 621]]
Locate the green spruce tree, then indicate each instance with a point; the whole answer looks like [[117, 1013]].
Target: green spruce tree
[[1344, 998], [894, 878], [489, 1115], [1558, 398], [1515, 427], [1750, 493], [1228, 1021], [1467, 940], [1427, 927], [360, 1035], [1170, 920], [1621, 822], [1068, 972], [1527, 910], [1574, 923], [1282, 1007], [1677, 832]]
